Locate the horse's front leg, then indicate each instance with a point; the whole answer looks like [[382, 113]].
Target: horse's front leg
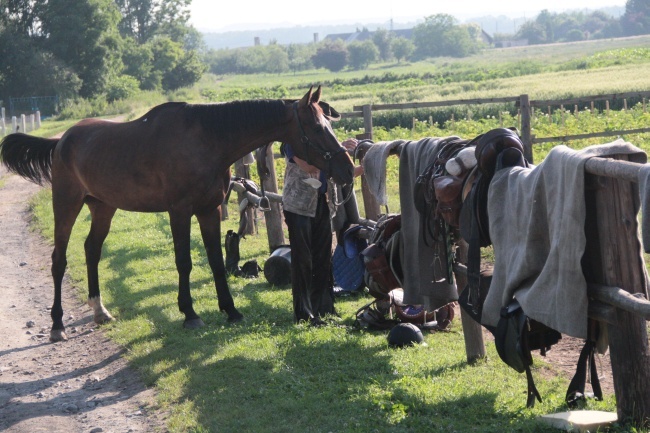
[[102, 216], [210, 223], [181, 225]]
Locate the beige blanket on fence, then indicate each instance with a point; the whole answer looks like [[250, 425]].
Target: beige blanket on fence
[[537, 219], [374, 168]]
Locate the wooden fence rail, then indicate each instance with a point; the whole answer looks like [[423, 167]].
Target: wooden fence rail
[[525, 105]]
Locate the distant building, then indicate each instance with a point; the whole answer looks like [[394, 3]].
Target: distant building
[[365, 34], [511, 43]]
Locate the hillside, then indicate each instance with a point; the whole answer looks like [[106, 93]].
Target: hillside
[[305, 34]]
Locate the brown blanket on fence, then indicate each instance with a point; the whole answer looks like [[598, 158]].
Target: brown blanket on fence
[[537, 217]]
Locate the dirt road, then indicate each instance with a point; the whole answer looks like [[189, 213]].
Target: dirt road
[[82, 385]]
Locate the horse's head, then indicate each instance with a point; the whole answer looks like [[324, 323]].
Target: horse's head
[[315, 140]]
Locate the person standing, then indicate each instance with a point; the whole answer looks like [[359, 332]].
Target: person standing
[[307, 215]]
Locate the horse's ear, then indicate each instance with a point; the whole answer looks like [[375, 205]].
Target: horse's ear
[[328, 111], [306, 100], [316, 96]]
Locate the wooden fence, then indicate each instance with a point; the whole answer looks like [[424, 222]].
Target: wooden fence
[[526, 112]]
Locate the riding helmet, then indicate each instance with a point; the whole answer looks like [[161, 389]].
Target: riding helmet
[[405, 334]]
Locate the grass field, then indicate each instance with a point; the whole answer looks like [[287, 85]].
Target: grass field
[[269, 375]]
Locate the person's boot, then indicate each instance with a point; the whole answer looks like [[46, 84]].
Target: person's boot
[[232, 253]]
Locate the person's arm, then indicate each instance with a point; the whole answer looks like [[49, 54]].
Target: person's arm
[[350, 145], [304, 166]]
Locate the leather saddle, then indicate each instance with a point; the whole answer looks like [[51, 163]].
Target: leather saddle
[[496, 149]]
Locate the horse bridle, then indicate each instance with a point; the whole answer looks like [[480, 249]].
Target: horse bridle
[[326, 154]]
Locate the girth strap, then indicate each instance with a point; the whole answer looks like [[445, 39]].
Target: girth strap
[[576, 390]]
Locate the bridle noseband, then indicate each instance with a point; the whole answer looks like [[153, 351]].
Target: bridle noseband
[[326, 154]]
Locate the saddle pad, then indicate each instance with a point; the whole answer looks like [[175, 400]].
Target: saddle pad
[[348, 272]]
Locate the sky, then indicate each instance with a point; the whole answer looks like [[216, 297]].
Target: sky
[[264, 14]]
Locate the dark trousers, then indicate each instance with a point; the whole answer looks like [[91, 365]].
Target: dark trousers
[[311, 263]]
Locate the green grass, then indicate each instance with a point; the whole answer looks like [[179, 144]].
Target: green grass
[[269, 375]]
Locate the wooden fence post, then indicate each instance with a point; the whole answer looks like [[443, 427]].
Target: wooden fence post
[[38, 120], [370, 205], [526, 137], [23, 123], [273, 218], [613, 252], [367, 120], [14, 124]]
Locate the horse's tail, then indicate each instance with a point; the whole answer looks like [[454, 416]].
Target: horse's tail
[[29, 156]]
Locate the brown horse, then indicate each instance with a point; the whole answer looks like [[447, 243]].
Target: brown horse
[[176, 159]]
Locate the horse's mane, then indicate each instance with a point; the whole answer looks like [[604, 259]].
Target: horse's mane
[[236, 116]]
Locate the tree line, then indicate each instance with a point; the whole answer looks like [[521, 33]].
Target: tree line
[[96, 48], [110, 49], [439, 35]]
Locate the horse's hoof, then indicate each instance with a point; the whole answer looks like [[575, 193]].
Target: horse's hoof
[[58, 335], [103, 318], [193, 324], [235, 317]]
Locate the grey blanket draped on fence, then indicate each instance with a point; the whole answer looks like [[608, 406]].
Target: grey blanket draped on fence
[[374, 168], [419, 261], [537, 219]]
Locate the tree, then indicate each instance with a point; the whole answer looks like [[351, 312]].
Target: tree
[[300, 56], [277, 59], [460, 41], [144, 19], [545, 20], [362, 54], [636, 20], [402, 48], [188, 70], [83, 35], [382, 40], [20, 15], [429, 36], [28, 70], [533, 32], [332, 55]]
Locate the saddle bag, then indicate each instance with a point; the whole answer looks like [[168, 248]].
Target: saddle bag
[[380, 259], [472, 303], [376, 263], [516, 336]]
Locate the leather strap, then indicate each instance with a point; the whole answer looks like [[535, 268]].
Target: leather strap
[[576, 391], [533, 394]]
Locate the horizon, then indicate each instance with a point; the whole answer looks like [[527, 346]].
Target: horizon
[[265, 16]]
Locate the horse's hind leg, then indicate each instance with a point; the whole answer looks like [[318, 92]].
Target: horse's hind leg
[[180, 221], [210, 223], [102, 215], [66, 207]]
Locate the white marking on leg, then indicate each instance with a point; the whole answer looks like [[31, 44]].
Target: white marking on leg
[[101, 314]]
